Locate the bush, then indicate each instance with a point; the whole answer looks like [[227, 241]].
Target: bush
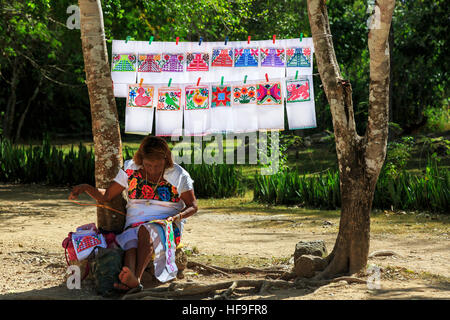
[[402, 190]]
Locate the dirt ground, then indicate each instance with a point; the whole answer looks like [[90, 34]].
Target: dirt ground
[[34, 220]]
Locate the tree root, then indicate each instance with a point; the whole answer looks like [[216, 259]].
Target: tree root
[[178, 290], [227, 293], [248, 270], [192, 264], [226, 271], [383, 253], [302, 282]]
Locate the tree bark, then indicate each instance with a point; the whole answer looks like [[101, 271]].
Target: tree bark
[[360, 158], [8, 120], [105, 124]]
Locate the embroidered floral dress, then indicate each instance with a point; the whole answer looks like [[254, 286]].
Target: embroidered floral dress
[[148, 202]]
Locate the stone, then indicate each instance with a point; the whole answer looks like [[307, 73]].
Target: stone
[[306, 265], [315, 248]]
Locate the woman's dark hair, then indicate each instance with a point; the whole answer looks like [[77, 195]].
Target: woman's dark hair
[[153, 148]]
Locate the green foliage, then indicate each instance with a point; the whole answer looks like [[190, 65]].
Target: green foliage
[[45, 164], [49, 165], [216, 180], [398, 154], [288, 187], [430, 191], [438, 117]]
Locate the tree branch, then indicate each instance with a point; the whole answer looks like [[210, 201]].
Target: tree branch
[[377, 126]]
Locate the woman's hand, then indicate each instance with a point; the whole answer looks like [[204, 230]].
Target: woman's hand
[[77, 190], [174, 218]]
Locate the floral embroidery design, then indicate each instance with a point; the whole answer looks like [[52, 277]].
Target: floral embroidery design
[[138, 189], [244, 94], [140, 96], [169, 99], [197, 98]]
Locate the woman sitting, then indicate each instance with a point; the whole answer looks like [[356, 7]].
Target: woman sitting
[[157, 189]]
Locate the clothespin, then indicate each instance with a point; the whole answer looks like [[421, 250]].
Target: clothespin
[[245, 79], [301, 37], [200, 42], [273, 37], [267, 78], [221, 81], [226, 40], [128, 39], [248, 39], [151, 40], [140, 83], [178, 39], [170, 81], [296, 74], [198, 81]]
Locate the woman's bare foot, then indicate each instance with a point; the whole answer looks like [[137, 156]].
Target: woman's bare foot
[[128, 280]]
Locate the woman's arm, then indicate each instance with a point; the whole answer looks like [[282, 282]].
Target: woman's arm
[[113, 191], [191, 208]]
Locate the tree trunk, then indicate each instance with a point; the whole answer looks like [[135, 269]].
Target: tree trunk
[[105, 124], [8, 120], [360, 158]]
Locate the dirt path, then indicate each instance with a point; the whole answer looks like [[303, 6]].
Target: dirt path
[[35, 219]]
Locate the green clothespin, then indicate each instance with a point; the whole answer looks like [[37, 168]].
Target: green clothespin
[[296, 75], [170, 81], [151, 40], [128, 39], [301, 37], [221, 81], [245, 79]]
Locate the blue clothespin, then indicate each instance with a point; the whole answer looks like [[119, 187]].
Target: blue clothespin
[[226, 40], [151, 40], [200, 42]]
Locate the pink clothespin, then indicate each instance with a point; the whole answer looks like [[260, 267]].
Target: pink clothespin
[[267, 78], [198, 81], [178, 39], [273, 37], [248, 40]]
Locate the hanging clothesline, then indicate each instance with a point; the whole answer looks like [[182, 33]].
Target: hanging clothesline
[[240, 87]]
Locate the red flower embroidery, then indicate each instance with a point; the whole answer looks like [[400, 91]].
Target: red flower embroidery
[[147, 192], [129, 172]]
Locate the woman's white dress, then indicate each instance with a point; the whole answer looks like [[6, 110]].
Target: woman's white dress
[[147, 203]]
